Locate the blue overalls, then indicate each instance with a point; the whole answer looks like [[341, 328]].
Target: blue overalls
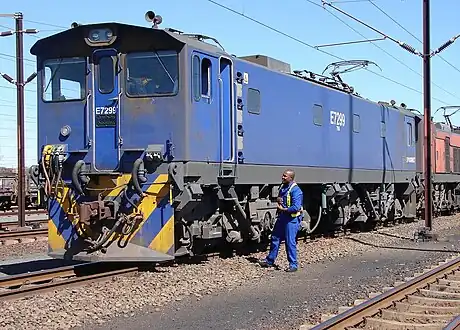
[[287, 224]]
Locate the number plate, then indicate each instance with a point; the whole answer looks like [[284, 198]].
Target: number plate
[[106, 116]]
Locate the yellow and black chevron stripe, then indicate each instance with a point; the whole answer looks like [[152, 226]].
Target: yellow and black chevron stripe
[[155, 231]]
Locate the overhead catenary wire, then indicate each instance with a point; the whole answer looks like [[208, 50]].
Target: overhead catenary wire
[[349, 1], [403, 45], [46, 24], [410, 33], [313, 47], [330, 54], [325, 52], [6, 27], [383, 50], [26, 90], [14, 57]]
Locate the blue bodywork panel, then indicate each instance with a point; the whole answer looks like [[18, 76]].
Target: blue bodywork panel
[[302, 123]]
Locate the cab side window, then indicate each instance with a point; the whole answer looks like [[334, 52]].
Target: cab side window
[[201, 78]]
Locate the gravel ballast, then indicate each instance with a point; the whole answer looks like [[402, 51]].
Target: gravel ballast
[[8, 252], [235, 293]]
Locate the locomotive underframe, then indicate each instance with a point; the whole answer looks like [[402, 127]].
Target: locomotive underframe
[[446, 194], [240, 209], [215, 203]]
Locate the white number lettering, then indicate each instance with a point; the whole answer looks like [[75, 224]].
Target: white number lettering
[[106, 110], [337, 119]]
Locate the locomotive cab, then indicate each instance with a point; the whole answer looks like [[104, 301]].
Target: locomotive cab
[[105, 88], [111, 110]]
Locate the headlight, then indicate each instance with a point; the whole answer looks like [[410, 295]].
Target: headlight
[[97, 36], [65, 130]]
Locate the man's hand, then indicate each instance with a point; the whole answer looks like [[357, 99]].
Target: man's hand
[[279, 200], [281, 208]]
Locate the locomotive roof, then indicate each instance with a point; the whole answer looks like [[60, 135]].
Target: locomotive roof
[[71, 42], [131, 38]]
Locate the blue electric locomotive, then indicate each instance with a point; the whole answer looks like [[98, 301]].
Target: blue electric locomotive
[[154, 143]]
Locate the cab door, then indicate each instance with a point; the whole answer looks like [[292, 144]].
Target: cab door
[[447, 154], [225, 76], [106, 123], [409, 160]]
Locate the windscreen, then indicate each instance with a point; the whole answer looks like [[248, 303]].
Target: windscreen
[[152, 73], [64, 79]]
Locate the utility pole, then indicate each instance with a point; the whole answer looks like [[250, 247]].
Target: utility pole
[[427, 115], [20, 83], [20, 119]]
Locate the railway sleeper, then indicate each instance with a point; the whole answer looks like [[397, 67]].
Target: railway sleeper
[[453, 284], [393, 315], [454, 277], [416, 308], [420, 300], [439, 294], [379, 323], [429, 307], [445, 288]]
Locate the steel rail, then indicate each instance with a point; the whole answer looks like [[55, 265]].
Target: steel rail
[[14, 224], [357, 314], [28, 221], [21, 285], [454, 324], [23, 233], [28, 212]]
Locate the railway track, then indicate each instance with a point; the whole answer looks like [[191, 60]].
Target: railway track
[[15, 234], [427, 301], [21, 285], [16, 286], [28, 212], [5, 225]]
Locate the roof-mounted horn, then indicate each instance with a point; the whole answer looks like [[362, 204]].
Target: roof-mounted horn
[[155, 19]]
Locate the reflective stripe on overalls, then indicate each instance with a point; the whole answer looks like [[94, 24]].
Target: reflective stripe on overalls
[[288, 201]]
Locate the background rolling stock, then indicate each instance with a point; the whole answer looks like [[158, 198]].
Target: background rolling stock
[[155, 144], [445, 153], [9, 192]]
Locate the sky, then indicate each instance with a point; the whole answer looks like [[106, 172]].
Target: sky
[[299, 23]]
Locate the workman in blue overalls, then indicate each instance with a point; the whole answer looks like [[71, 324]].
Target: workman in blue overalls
[[290, 200]]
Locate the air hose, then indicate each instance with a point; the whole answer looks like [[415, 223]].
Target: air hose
[[137, 175], [47, 187], [318, 220], [76, 176]]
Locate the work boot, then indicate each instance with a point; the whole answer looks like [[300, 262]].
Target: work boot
[[265, 264], [290, 269]]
